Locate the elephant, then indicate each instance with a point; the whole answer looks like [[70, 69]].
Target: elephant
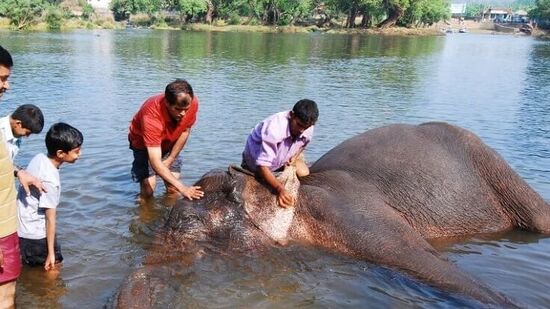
[[381, 196]]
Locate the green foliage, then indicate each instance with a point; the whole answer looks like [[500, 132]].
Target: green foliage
[[224, 9], [54, 18], [474, 10], [22, 13], [522, 5], [254, 22], [234, 19], [190, 7], [146, 6], [394, 4], [372, 9], [159, 21], [291, 10], [541, 11], [425, 12], [121, 9], [87, 11]]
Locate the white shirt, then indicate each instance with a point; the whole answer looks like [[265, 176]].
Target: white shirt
[[31, 210], [12, 142]]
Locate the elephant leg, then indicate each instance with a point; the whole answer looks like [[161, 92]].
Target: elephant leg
[[396, 244], [371, 230], [525, 207]]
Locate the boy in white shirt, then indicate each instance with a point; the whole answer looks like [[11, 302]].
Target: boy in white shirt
[[36, 212], [27, 119]]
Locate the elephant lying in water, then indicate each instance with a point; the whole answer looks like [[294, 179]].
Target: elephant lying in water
[[381, 196]]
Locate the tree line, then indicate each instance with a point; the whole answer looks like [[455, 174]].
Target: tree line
[[379, 13], [327, 13]]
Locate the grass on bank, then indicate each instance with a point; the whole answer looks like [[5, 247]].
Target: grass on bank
[[160, 22], [66, 25]]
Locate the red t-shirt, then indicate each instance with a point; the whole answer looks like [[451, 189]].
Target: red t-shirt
[[152, 126]]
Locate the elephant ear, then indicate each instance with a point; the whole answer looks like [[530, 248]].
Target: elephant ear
[[263, 210]]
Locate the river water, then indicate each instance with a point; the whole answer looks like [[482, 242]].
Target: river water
[[496, 86]]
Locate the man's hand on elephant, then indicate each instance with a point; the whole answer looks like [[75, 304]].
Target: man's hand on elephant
[[192, 193], [294, 159], [285, 199]]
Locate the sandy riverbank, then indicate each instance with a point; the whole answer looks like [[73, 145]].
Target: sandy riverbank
[[437, 29], [483, 28]]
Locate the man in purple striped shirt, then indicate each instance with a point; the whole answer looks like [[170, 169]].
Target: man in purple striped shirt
[[279, 140]]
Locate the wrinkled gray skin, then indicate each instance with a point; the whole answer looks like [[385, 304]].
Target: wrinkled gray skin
[[380, 197]]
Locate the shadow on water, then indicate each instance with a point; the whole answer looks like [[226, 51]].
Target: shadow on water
[[40, 287], [286, 277]]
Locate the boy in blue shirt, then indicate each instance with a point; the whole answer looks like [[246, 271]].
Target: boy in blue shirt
[[36, 212]]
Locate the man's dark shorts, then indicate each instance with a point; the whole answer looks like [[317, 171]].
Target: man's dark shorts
[[35, 251], [142, 170]]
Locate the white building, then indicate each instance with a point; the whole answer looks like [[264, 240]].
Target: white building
[[99, 4], [458, 9]]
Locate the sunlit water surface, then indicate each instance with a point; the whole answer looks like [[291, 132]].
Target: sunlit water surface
[[496, 86]]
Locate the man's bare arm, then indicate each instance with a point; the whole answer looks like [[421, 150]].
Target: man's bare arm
[[283, 197], [155, 159], [178, 147]]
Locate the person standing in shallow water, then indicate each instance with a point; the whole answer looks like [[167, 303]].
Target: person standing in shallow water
[[37, 212], [280, 140], [158, 133], [10, 260]]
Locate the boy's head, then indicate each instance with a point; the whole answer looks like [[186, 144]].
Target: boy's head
[[178, 95], [63, 142], [5, 69], [304, 114], [27, 119]]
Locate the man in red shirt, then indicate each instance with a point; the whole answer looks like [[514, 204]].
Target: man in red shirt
[[158, 133]]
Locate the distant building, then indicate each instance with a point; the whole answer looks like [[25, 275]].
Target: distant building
[[99, 4], [458, 10], [498, 15], [520, 16]]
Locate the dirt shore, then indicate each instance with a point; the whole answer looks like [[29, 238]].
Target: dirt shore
[[437, 29], [483, 28]]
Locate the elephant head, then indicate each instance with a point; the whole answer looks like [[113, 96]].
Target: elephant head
[[237, 213]]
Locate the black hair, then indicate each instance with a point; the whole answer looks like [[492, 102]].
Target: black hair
[[306, 110], [175, 88], [31, 117], [5, 58], [64, 137]]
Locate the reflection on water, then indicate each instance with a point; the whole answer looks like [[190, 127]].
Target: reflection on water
[[494, 85], [43, 287]]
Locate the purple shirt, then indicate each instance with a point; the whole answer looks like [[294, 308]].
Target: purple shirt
[[270, 142]]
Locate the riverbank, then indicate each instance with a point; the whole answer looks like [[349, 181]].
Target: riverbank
[[484, 28], [73, 24], [401, 31], [435, 30], [68, 25]]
